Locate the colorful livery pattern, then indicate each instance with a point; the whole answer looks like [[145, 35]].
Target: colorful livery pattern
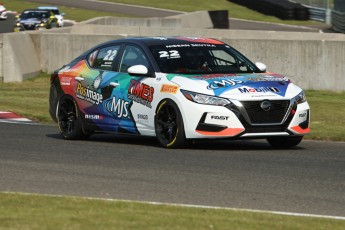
[[158, 87]]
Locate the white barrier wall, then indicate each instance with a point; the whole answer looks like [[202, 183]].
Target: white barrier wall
[[19, 58], [311, 60]]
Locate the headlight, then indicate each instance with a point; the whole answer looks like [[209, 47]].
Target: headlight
[[18, 24], [205, 99], [42, 24], [300, 98]]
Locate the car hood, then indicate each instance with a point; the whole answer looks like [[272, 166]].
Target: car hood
[[30, 20], [244, 86]]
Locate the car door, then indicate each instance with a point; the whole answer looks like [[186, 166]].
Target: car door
[[92, 87], [130, 100]]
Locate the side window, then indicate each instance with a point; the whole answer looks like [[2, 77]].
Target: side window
[[132, 56], [105, 58], [223, 58], [227, 62], [92, 57]]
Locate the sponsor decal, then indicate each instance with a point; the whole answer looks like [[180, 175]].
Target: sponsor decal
[[117, 107], [267, 78], [302, 114], [217, 76], [65, 81], [93, 117], [223, 83], [143, 118], [140, 93], [259, 90], [190, 45], [215, 117], [169, 89], [88, 95]]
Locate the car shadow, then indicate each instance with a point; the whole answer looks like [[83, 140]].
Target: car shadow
[[202, 144]]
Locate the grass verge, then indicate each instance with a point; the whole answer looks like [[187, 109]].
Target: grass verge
[[23, 211], [235, 10], [30, 99], [74, 14]]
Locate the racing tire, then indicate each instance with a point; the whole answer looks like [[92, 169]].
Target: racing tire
[[284, 142], [69, 120], [169, 126]]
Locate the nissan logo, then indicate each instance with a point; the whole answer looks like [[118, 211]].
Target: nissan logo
[[265, 105]]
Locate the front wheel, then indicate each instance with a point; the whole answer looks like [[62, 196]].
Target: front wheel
[[169, 125], [69, 120], [284, 142]]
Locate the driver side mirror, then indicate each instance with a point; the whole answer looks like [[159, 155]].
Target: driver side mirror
[[261, 66], [138, 70]]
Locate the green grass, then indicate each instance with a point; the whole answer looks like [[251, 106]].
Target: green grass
[[327, 115], [71, 13], [30, 99], [235, 10], [22, 211]]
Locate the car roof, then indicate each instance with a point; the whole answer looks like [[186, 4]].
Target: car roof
[[48, 7], [173, 40], [36, 10]]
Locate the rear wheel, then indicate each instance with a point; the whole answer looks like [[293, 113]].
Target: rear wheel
[[169, 125], [284, 142], [69, 120]]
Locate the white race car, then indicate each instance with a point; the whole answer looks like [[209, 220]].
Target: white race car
[[59, 16], [3, 12], [177, 89]]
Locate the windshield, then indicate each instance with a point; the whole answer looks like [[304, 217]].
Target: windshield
[[34, 14], [201, 58]]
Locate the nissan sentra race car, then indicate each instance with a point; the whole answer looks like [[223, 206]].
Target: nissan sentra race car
[[35, 19], [177, 89]]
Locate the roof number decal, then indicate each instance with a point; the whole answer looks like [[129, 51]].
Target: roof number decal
[[169, 54]]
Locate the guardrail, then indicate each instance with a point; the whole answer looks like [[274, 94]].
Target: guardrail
[[282, 9], [338, 21], [316, 13]]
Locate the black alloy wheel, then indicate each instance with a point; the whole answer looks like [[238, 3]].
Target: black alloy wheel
[[169, 125], [69, 120]]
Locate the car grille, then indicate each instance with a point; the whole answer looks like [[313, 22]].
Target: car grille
[[29, 26], [257, 115]]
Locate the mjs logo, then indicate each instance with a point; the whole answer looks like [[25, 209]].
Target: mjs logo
[[223, 83], [117, 107]]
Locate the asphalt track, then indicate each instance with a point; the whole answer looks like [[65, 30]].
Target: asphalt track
[[237, 174]]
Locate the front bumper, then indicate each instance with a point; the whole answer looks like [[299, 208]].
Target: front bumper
[[240, 121]]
